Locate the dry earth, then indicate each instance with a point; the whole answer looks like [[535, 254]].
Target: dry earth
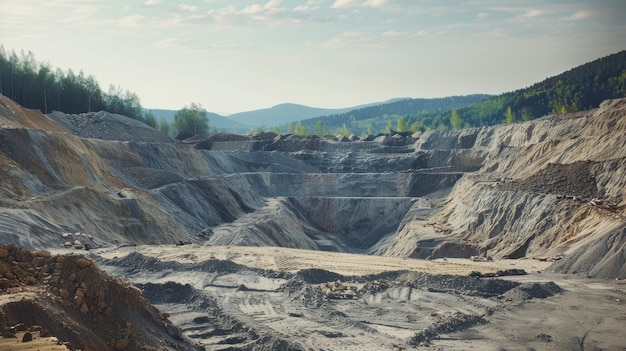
[[68, 298], [232, 297], [252, 298], [293, 243]]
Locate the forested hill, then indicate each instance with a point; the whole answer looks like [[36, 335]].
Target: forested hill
[[37, 85], [375, 118], [581, 88]]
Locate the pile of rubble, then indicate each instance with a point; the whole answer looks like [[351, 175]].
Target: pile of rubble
[[69, 298]]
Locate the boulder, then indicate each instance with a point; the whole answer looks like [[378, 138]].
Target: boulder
[[82, 263], [28, 336], [120, 345]]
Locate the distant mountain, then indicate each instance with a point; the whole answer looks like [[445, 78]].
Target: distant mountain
[[376, 117], [581, 88], [285, 113], [222, 123]]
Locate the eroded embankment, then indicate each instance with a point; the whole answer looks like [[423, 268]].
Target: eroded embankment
[[339, 196], [551, 188], [68, 298]]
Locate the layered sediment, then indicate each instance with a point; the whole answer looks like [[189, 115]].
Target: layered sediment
[[550, 189]]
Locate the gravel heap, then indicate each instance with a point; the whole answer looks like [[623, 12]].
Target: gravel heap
[[570, 180], [447, 324], [108, 126], [136, 262], [527, 291]]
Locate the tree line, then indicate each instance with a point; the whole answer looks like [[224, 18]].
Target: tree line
[[376, 119], [580, 88], [38, 85]]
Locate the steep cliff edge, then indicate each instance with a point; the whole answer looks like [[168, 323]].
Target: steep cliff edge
[[549, 189]]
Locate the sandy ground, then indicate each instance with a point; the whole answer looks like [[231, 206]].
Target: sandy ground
[[37, 344], [292, 260], [387, 312]]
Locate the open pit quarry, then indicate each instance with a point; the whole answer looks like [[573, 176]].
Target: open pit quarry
[[505, 237]]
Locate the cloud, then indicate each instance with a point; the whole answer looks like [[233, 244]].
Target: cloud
[[533, 13], [528, 15], [495, 34], [393, 33], [580, 15], [253, 9], [188, 8], [168, 43], [258, 8], [340, 4], [347, 38], [366, 39], [132, 21], [77, 13], [187, 44], [272, 4], [270, 13], [197, 17], [154, 23], [152, 3], [482, 15], [375, 3]]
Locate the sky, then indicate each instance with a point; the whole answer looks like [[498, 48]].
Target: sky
[[235, 55]]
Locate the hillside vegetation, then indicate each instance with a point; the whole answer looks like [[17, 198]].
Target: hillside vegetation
[[580, 88], [39, 86], [375, 119], [282, 114]]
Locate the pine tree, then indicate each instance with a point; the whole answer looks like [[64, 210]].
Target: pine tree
[[455, 120], [509, 116], [402, 125]]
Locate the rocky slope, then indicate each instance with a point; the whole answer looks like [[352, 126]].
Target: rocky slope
[[82, 307], [551, 188]]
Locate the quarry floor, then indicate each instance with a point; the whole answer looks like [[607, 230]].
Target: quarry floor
[[276, 293], [293, 260]]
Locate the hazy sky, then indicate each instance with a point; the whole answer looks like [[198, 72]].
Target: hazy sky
[[238, 55]]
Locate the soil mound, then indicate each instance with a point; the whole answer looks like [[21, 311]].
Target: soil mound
[[80, 304], [527, 291], [317, 276], [448, 324], [108, 126], [136, 262], [12, 115], [169, 292], [462, 285]]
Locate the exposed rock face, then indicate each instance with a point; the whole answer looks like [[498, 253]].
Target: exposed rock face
[[69, 298], [548, 188]]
